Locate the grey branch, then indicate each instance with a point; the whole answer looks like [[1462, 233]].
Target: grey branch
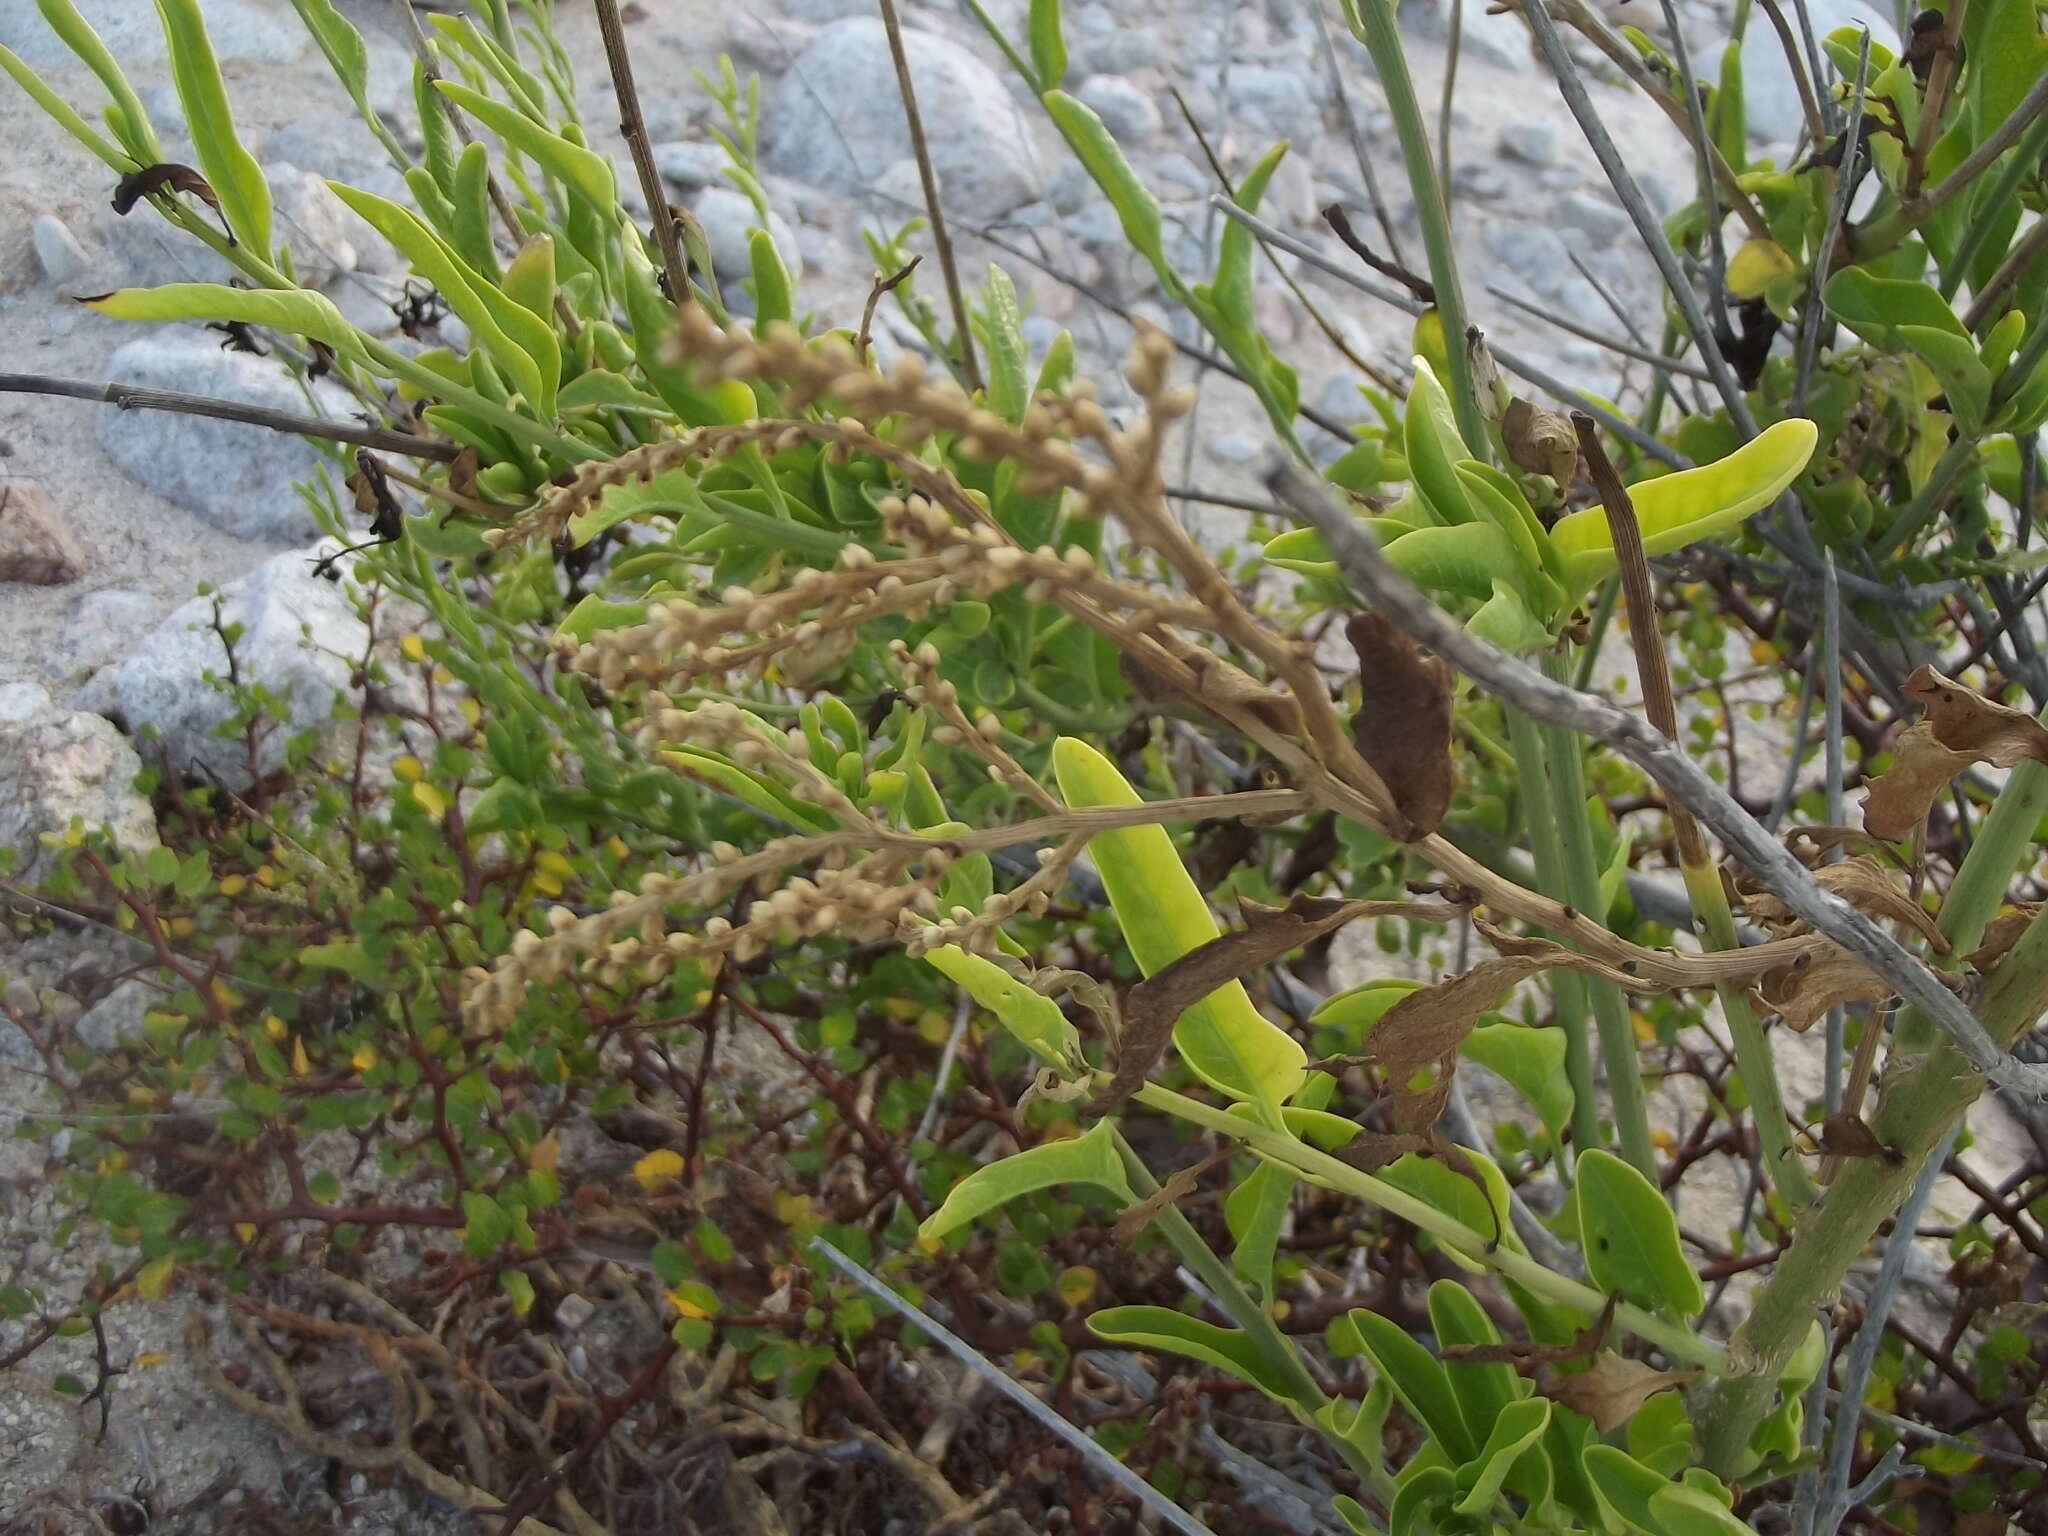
[[132, 397], [1373, 578]]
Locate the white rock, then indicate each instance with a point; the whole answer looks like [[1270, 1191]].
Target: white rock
[[835, 119], [820, 11], [241, 31], [21, 702], [1595, 217], [1530, 143], [1127, 112], [730, 219], [107, 624], [115, 1017], [61, 764], [299, 635], [320, 228], [1533, 252], [1233, 447], [238, 477], [1770, 100], [691, 164], [58, 252], [1285, 103]]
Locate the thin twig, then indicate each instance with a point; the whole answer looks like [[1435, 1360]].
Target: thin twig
[[1939, 77], [970, 367], [1091, 1453], [882, 285], [1556, 388], [1359, 148], [633, 126], [1808, 104], [1813, 316], [1558, 704], [132, 397], [1655, 359]]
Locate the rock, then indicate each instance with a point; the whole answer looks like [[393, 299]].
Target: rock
[[1478, 179], [242, 31], [166, 113], [1233, 447], [690, 165], [58, 252], [835, 119], [1071, 187], [1118, 50], [818, 12], [107, 624], [1502, 40], [21, 702], [1533, 252], [1595, 217], [58, 765], [35, 545], [298, 635], [1770, 100], [238, 477], [321, 229], [1127, 112], [1530, 143], [1284, 102], [115, 1017], [730, 219]]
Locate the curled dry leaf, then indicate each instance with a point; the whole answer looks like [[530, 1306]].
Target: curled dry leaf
[[1155, 1004], [1403, 724], [1865, 885], [1846, 1134], [1803, 991], [1524, 1354], [161, 181], [2000, 934], [1610, 1392], [1178, 1187], [1541, 441], [371, 488], [1960, 727]]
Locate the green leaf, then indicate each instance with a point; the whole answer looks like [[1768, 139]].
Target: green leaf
[[749, 789], [160, 866], [236, 177], [1684, 1510], [585, 172], [1090, 1158], [773, 302], [1096, 148], [1231, 289], [518, 1285], [1422, 1495], [1680, 509], [1519, 1426], [66, 117], [1035, 1019], [1223, 1038], [1048, 47], [1625, 1487], [1484, 1211], [295, 310], [1484, 1391], [1630, 1237], [342, 44], [486, 1226], [517, 339], [1002, 338], [1229, 1349], [1419, 1380], [348, 957], [1532, 1063], [1434, 447], [1255, 1211], [131, 121]]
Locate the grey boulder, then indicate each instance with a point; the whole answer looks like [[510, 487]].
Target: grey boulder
[[835, 120], [299, 637], [245, 31], [61, 765], [238, 477]]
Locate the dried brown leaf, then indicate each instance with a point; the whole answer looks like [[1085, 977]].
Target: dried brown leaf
[[1846, 1134], [161, 181], [1802, 992], [1403, 725], [1610, 1392], [1523, 1354], [2000, 934], [1865, 885], [1371, 1150], [1541, 441], [1960, 727], [1156, 1003], [1430, 1024], [1177, 1188]]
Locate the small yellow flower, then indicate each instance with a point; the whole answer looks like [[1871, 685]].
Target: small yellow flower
[[148, 1358], [408, 768], [364, 1059], [233, 885], [413, 648], [301, 1067], [275, 1027], [246, 1231], [658, 1168], [1645, 1030]]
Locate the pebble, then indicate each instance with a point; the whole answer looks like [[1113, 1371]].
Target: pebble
[[58, 252], [1593, 216], [1128, 113], [691, 165], [37, 547], [1530, 143], [1232, 447], [730, 219]]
